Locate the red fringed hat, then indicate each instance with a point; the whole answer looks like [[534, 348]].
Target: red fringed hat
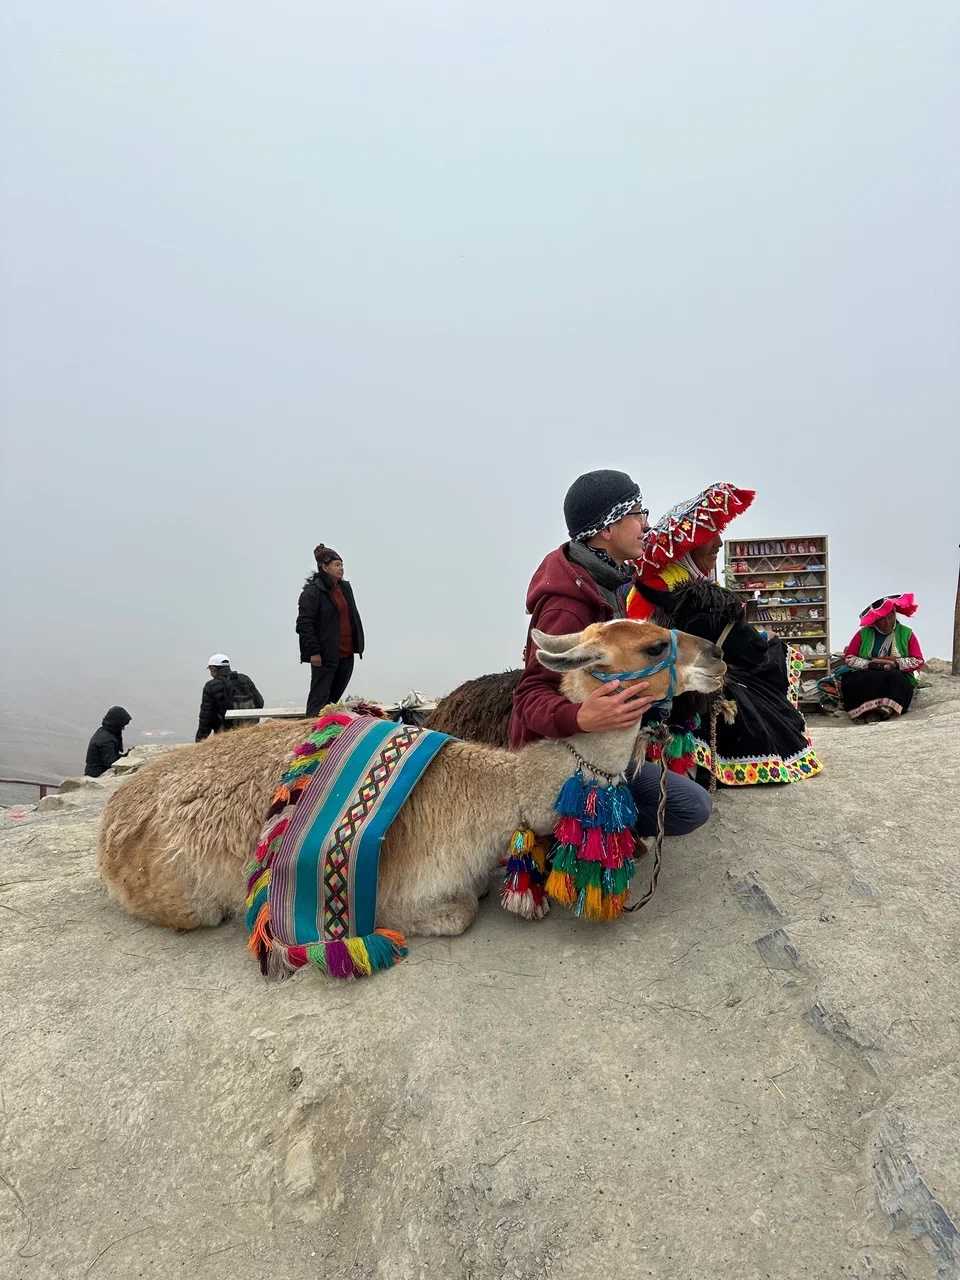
[[686, 526], [690, 524]]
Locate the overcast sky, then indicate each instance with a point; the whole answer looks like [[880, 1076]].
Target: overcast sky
[[390, 276]]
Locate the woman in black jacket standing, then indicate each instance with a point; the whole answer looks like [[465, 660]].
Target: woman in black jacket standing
[[329, 628]]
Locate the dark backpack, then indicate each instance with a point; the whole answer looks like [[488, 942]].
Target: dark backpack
[[238, 693]]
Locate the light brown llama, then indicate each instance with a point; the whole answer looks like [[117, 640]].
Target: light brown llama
[[175, 839]]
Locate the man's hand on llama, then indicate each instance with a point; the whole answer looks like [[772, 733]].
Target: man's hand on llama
[[613, 706]]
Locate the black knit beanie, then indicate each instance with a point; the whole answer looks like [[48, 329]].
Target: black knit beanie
[[597, 500]]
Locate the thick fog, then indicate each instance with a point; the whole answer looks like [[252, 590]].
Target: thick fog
[[390, 276]]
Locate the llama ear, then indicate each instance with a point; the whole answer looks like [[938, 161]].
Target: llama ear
[[573, 660], [582, 655], [565, 653], [555, 644]]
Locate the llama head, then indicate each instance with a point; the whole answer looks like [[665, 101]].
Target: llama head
[[704, 609], [626, 646]]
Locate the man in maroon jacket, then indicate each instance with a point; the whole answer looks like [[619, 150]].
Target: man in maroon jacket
[[579, 583]]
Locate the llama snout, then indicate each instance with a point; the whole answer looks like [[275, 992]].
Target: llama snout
[[707, 671]]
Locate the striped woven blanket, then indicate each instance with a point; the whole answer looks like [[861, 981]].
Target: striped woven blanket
[[312, 884]]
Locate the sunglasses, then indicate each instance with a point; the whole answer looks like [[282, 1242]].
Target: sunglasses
[[875, 604]]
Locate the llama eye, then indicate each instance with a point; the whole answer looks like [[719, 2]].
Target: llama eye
[[655, 650]]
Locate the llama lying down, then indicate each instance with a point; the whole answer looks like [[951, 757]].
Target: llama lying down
[[176, 840]]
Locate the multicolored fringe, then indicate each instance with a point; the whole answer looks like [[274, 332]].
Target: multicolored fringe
[[523, 886], [338, 958], [592, 862]]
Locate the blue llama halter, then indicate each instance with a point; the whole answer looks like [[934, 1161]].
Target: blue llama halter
[[669, 663]]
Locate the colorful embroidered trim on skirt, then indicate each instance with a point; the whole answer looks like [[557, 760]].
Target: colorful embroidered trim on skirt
[[746, 771], [876, 704], [794, 675], [312, 884]]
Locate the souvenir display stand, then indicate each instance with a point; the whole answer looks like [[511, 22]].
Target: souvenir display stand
[[785, 584]]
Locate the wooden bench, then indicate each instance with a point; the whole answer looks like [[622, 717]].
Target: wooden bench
[[390, 710], [265, 713]]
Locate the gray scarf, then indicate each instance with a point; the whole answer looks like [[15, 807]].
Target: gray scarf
[[605, 572]]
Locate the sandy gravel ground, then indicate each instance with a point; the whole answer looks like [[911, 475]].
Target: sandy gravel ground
[[757, 1076]]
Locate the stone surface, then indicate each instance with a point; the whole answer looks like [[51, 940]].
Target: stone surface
[[754, 1077], [51, 803], [78, 784], [124, 767]]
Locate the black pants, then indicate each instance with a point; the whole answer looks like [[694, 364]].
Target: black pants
[[328, 684], [688, 805]]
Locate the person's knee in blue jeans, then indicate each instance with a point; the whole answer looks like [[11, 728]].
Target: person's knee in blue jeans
[[688, 804]]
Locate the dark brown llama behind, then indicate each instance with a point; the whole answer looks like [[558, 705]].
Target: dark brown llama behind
[[478, 710]]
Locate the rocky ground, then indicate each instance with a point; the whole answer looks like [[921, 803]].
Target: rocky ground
[[756, 1076]]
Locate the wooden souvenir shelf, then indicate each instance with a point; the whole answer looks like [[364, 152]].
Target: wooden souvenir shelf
[[759, 570]]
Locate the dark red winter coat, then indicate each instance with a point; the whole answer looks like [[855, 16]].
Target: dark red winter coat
[[562, 597]]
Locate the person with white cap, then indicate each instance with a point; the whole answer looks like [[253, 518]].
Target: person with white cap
[[225, 691]]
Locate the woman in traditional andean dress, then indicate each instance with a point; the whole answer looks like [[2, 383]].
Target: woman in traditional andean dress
[[881, 661]]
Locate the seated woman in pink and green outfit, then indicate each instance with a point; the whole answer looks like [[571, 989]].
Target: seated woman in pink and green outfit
[[881, 661]]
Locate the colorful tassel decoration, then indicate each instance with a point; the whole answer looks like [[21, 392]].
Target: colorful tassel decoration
[[592, 862], [523, 886], [679, 747]]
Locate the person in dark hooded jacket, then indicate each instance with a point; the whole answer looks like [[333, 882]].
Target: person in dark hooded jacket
[[329, 628], [106, 745]]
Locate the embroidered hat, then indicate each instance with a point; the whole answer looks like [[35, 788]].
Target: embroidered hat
[[879, 608], [692, 523], [598, 499]]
